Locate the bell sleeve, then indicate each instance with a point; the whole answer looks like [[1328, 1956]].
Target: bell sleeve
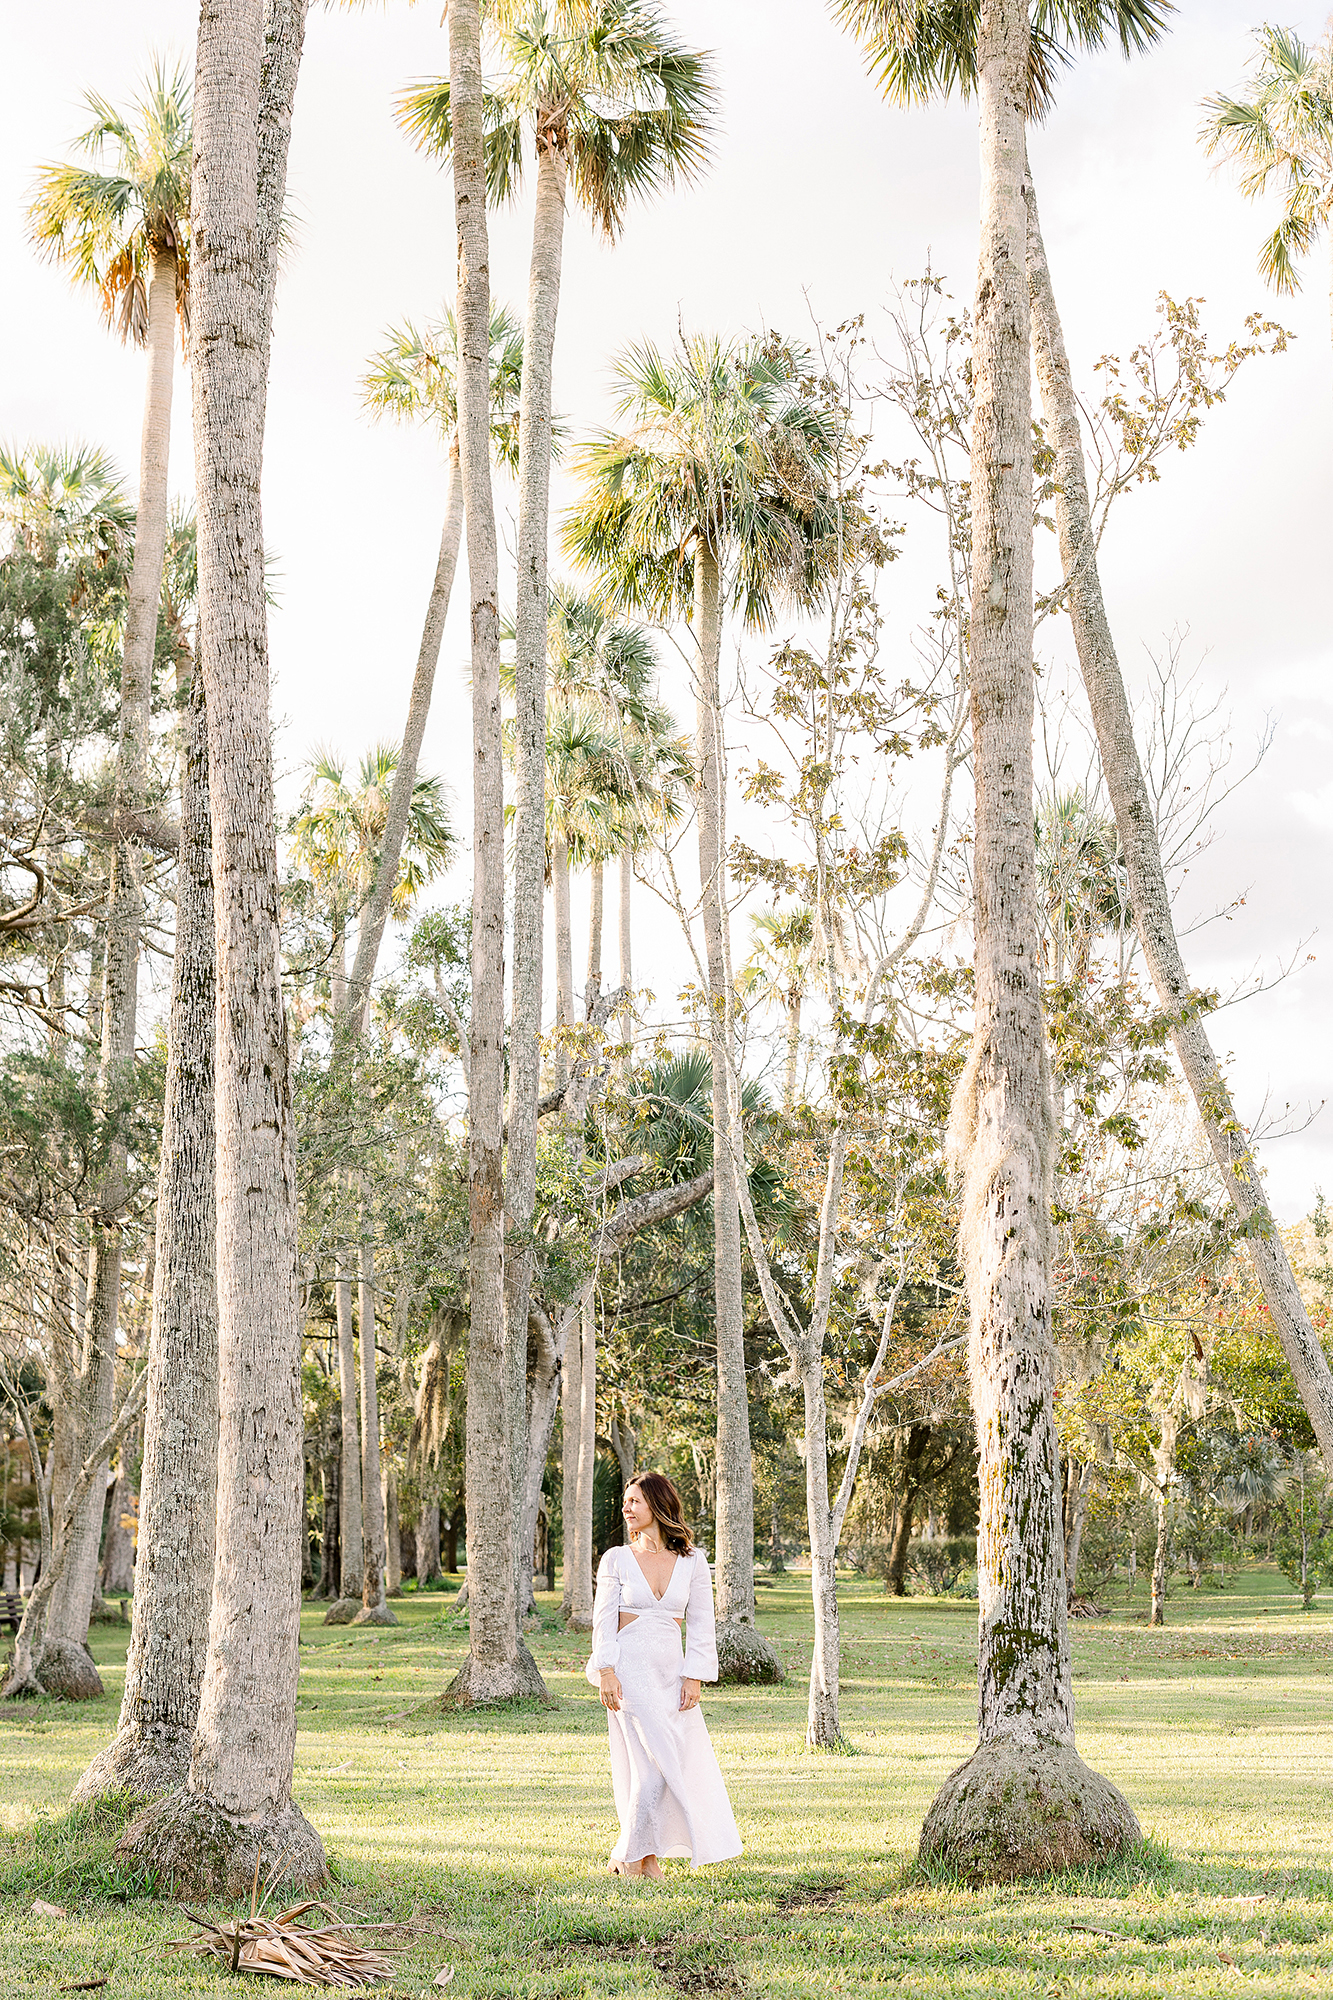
[[700, 1625], [605, 1619]]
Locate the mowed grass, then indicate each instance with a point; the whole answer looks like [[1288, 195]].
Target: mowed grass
[[490, 1833]]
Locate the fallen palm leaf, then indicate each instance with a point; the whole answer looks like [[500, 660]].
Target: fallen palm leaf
[[283, 1947]]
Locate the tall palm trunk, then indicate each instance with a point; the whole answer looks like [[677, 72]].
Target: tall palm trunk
[[351, 1528], [1143, 860], [793, 1012], [374, 1610], [1025, 1801], [498, 1667], [530, 626], [734, 1553], [596, 909], [578, 1531], [207, 1840], [564, 948], [626, 959], [173, 1577], [71, 1603], [375, 915], [570, 1404]]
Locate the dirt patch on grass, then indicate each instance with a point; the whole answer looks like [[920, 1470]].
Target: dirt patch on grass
[[810, 1895], [684, 1964]]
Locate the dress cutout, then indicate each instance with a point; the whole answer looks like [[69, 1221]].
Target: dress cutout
[[668, 1789]]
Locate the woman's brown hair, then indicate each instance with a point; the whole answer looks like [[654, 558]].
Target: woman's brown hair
[[668, 1510]]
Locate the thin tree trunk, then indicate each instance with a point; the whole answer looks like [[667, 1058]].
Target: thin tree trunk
[[498, 1667], [1002, 1128], [1143, 860], [793, 1050], [896, 1580], [530, 632], [626, 960], [596, 902], [428, 1543], [1074, 1539], [579, 1532], [822, 1727], [374, 1610], [393, 1536], [370, 931], [207, 1840], [571, 1397], [351, 1530], [564, 952], [118, 1546], [1157, 1615], [173, 1580], [734, 1554], [540, 1425]]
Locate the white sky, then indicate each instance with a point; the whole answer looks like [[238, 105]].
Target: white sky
[[820, 197]]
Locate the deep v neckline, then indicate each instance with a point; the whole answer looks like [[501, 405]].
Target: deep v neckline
[[657, 1595]]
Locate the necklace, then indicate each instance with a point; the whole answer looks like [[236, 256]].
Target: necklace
[[649, 1548]]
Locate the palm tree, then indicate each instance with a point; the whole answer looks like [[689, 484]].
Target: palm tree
[[612, 103], [416, 378], [712, 497], [1002, 1125], [124, 232], [1080, 882], [207, 1840], [498, 1667], [922, 69], [1282, 131], [340, 834], [783, 960]]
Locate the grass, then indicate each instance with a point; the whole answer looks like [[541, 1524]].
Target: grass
[[493, 1831]]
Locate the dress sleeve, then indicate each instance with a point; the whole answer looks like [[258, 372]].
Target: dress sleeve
[[700, 1625], [605, 1618]]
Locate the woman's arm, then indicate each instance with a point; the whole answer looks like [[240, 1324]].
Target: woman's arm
[[605, 1621], [700, 1624]]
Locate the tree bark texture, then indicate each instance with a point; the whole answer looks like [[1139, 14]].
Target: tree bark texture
[[173, 1582], [428, 1543], [1100, 667], [823, 1727], [626, 943], [374, 1610], [733, 1566], [498, 1667], [578, 1531], [564, 952], [1024, 1802], [530, 630], [393, 1536], [351, 1529], [1157, 1613], [570, 1400], [205, 1840], [596, 903]]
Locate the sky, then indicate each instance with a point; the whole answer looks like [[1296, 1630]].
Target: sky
[[819, 200]]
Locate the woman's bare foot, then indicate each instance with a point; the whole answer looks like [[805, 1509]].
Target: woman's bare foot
[[652, 1868]]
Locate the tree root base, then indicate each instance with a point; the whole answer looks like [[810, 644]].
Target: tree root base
[[66, 1670], [342, 1611], [142, 1765], [496, 1685], [1015, 1810], [195, 1851], [373, 1614], [745, 1658]]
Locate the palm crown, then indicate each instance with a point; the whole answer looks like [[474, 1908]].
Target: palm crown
[[605, 81], [721, 447], [108, 226], [920, 49], [339, 828], [1283, 131], [415, 377]]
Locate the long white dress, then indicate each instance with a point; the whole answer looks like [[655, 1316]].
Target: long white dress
[[668, 1789]]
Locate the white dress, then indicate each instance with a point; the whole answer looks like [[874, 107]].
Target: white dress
[[668, 1789]]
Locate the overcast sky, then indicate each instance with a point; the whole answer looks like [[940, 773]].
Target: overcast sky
[[820, 198]]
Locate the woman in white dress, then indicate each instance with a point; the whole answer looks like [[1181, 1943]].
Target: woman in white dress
[[669, 1792]]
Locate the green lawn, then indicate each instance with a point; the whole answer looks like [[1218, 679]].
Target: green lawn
[[493, 1833]]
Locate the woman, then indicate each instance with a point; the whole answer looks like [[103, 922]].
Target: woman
[[669, 1792]]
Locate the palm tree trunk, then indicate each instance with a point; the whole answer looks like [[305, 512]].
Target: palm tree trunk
[[374, 1610], [626, 961], [428, 1541], [207, 1840], [733, 1566], [71, 1603], [823, 1729], [596, 905], [173, 1577], [793, 1050], [393, 1536], [351, 1529], [571, 1397], [530, 626], [375, 915], [578, 1532], [1157, 1612], [498, 1667], [1002, 1129], [564, 949], [1143, 861]]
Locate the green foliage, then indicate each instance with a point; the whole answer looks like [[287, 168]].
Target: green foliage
[[1303, 1544]]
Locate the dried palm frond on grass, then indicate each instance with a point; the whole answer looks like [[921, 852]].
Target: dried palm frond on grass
[[283, 1947]]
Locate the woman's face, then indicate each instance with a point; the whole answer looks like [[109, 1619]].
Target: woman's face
[[638, 1514]]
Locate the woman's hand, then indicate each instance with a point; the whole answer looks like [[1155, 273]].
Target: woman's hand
[[612, 1692], [690, 1692]]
